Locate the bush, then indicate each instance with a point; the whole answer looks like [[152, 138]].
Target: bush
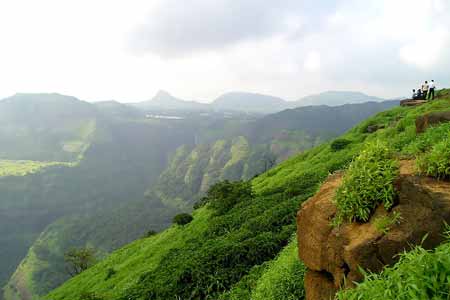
[[369, 181], [436, 163], [150, 233], [110, 272], [226, 194], [182, 219], [339, 144]]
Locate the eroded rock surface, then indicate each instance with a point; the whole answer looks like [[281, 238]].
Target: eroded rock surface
[[431, 119], [334, 255]]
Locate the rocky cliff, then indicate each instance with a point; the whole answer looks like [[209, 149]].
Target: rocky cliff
[[334, 256]]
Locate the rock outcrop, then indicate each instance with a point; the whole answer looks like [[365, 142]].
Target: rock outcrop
[[431, 119], [412, 102], [334, 255]]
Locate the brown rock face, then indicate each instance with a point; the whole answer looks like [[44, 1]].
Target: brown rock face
[[334, 255], [425, 121], [411, 102]]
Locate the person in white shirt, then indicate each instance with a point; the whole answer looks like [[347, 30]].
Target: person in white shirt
[[425, 87], [432, 87]]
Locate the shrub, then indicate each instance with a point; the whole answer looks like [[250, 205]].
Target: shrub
[[150, 233], [339, 144], [110, 272], [369, 181], [226, 194], [182, 219], [436, 163]]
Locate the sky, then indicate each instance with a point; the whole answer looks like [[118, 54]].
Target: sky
[[199, 49]]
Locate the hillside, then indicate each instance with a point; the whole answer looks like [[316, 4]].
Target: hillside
[[229, 148], [239, 245], [45, 127], [249, 102], [335, 98]]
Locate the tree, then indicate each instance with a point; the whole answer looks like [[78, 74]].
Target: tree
[[79, 259], [182, 219]]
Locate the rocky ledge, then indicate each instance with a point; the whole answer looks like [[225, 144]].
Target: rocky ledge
[[334, 256]]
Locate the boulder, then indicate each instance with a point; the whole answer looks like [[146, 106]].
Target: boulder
[[334, 255], [374, 128], [427, 120], [412, 102]]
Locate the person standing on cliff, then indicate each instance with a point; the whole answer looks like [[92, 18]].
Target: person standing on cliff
[[432, 88], [425, 87]]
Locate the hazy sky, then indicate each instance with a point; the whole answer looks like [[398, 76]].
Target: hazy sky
[[198, 49]]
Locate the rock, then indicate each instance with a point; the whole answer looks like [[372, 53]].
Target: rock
[[374, 128], [334, 255], [425, 121], [321, 285], [411, 102]]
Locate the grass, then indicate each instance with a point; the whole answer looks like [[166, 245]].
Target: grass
[[420, 274], [436, 163], [384, 224], [369, 181], [25, 167]]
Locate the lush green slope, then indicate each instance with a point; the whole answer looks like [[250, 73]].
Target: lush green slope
[[233, 250]]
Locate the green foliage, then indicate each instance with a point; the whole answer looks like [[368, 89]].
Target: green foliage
[[339, 144], [436, 163], [79, 260], [182, 219], [383, 224], [419, 274], [150, 233], [225, 195], [110, 272], [283, 278], [90, 296], [230, 255], [369, 181]]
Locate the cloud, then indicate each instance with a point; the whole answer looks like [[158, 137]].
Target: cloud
[[177, 28]]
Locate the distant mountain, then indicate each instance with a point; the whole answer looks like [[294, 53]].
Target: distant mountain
[[335, 98], [165, 101], [119, 110], [44, 127], [249, 102]]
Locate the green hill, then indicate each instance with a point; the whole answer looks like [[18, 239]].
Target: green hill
[[239, 245]]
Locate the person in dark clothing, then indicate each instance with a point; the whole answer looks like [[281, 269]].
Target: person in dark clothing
[[419, 94], [414, 95]]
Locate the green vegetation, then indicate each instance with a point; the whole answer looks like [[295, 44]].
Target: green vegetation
[[436, 163], [369, 181], [339, 144], [216, 252], [383, 224], [79, 259], [25, 167], [246, 250], [182, 219], [419, 274]]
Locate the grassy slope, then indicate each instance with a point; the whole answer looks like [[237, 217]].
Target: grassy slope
[[295, 179]]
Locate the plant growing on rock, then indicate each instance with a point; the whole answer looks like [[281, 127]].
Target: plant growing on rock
[[369, 181], [385, 223], [436, 163]]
